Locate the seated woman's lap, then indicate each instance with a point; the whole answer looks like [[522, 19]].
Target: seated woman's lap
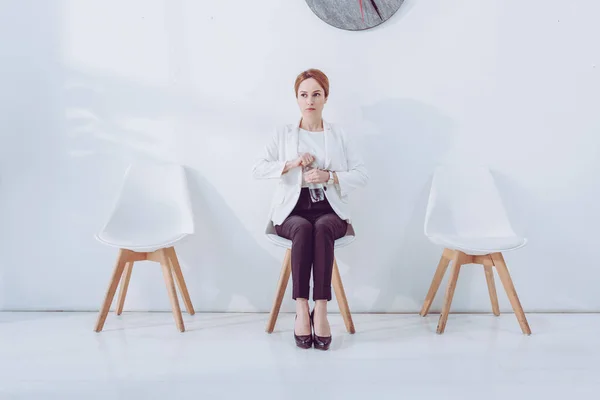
[[295, 226]]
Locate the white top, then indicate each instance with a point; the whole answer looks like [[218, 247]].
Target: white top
[[345, 159], [312, 143]]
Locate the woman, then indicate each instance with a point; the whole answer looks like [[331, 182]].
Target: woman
[[317, 165]]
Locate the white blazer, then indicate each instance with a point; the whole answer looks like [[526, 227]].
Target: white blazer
[[341, 156]]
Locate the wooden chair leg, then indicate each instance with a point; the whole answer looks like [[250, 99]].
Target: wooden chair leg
[[435, 284], [180, 280], [511, 292], [456, 264], [284, 278], [489, 277], [124, 285], [340, 295], [112, 288], [166, 268]]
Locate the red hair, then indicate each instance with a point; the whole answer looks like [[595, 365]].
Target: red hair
[[317, 75]]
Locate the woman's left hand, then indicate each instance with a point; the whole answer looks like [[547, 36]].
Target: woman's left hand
[[316, 176]]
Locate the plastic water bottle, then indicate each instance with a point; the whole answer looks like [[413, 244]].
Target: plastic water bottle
[[316, 189]]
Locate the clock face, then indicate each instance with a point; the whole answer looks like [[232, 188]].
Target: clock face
[[354, 15]]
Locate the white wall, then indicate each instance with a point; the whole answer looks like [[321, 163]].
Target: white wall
[[89, 86]]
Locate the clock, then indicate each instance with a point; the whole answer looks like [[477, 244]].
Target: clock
[[354, 15]]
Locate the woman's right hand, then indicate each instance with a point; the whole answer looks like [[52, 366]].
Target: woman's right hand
[[304, 160]]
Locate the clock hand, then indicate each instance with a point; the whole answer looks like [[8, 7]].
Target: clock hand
[[361, 10], [376, 9]]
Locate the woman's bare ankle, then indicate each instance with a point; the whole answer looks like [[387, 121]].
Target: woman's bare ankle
[[321, 322], [302, 306], [321, 306], [302, 321]]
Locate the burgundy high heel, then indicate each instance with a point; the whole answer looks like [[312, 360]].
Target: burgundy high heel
[[303, 341], [319, 342]]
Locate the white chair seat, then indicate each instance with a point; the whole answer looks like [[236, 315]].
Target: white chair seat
[[479, 245], [272, 235], [283, 242], [153, 240]]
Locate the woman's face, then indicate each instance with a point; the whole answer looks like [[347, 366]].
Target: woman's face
[[311, 98]]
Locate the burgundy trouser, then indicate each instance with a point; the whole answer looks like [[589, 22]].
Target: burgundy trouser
[[313, 229]]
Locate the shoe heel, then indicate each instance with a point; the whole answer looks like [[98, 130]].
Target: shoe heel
[[303, 341], [319, 342]]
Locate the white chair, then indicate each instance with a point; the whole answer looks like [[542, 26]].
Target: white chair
[[152, 213], [284, 277], [466, 216]]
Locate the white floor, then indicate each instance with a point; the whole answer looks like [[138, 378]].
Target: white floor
[[229, 356]]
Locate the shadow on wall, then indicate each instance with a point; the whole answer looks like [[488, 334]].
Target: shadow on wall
[[225, 268], [527, 220], [110, 122], [410, 138], [117, 111]]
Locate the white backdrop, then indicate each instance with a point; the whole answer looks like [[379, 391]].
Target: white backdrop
[[87, 86]]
